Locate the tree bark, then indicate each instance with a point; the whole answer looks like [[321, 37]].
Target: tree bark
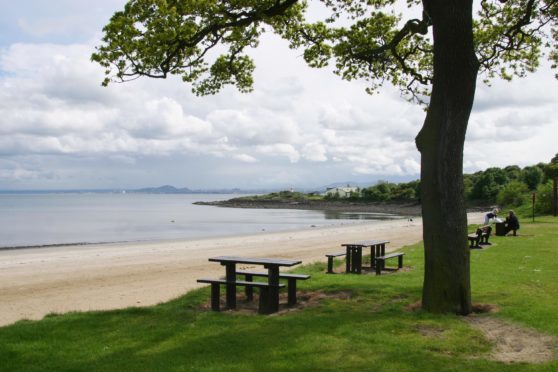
[[447, 287]]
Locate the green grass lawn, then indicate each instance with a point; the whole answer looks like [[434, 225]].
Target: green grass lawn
[[372, 330]]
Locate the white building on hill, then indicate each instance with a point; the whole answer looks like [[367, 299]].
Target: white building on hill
[[342, 192]]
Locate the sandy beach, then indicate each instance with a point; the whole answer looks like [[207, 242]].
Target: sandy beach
[[38, 281]]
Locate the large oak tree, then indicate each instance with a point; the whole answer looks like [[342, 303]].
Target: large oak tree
[[434, 58]]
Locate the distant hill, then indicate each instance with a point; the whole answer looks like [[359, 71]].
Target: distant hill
[[166, 189]]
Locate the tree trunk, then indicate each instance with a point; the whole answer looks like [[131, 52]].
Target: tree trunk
[[447, 285]]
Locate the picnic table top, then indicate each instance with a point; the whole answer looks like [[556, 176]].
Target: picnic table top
[[256, 261], [365, 243]]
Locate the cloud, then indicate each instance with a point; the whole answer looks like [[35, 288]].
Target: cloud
[[19, 174], [246, 158], [57, 124], [279, 149], [411, 166], [530, 93], [314, 152], [253, 126]]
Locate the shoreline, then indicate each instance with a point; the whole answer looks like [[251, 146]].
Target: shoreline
[[183, 239], [411, 209], [37, 281]]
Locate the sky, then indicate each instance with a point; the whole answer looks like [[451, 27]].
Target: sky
[[300, 127]]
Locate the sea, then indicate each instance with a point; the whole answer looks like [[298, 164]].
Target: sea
[[43, 219]]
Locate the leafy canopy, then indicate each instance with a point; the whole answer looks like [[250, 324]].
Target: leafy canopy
[[206, 41]]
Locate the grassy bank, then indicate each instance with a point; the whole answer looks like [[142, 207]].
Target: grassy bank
[[372, 330]]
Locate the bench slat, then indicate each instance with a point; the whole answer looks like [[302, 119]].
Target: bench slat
[[240, 282], [336, 254], [281, 276], [391, 255]]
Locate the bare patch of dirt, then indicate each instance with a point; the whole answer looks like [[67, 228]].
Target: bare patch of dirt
[[485, 308], [429, 331], [367, 270], [304, 300], [414, 306], [477, 308], [514, 343]]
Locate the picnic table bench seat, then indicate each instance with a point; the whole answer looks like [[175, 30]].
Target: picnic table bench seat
[[480, 236], [216, 285], [291, 283], [381, 261], [330, 257]]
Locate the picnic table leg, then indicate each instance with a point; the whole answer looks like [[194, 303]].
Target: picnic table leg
[[263, 306], [292, 291], [330, 265], [248, 289], [377, 253], [348, 259], [215, 296], [372, 256], [231, 286], [353, 259], [273, 275], [358, 260]]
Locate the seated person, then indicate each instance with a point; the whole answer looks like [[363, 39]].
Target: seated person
[[512, 223], [490, 215]]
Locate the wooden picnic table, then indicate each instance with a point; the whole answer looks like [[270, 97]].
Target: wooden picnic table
[[271, 264], [354, 254]]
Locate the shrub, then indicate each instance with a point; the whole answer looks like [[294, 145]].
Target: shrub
[[513, 194], [544, 198]]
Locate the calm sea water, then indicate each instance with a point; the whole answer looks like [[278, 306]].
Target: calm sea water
[[44, 219]]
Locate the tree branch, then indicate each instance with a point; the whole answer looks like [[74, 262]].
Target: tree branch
[[240, 19]]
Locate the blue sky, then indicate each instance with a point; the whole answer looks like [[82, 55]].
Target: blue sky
[[300, 128]]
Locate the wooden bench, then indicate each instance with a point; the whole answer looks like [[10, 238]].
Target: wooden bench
[[330, 257], [381, 261], [480, 237], [215, 292], [291, 283]]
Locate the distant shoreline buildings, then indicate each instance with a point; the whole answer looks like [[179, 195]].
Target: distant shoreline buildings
[[342, 192]]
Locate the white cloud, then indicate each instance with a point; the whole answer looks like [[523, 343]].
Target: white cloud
[[411, 166], [279, 149], [314, 152], [246, 158], [19, 174]]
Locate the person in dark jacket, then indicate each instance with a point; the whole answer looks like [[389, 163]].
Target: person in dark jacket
[[512, 223]]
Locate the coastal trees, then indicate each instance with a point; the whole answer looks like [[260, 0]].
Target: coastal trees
[[532, 176], [551, 171], [487, 184], [433, 58]]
